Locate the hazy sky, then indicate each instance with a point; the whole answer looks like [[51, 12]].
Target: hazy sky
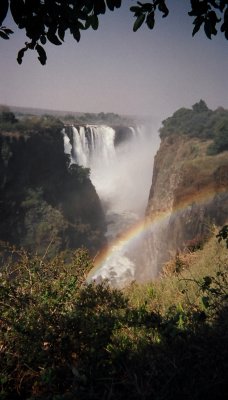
[[117, 70]]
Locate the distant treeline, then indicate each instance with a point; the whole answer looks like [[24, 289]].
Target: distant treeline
[[22, 123], [200, 122], [100, 118], [26, 124]]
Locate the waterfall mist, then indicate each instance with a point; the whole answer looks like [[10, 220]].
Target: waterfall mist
[[124, 181], [122, 176]]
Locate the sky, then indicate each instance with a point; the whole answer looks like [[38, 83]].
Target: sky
[[113, 69]]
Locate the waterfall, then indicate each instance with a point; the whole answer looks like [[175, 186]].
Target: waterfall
[[90, 143], [121, 162]]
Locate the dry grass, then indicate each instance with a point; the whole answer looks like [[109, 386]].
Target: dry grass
[[170, 288], [207, 164]]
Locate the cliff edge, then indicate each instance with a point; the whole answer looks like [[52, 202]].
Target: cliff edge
[[189, 191]]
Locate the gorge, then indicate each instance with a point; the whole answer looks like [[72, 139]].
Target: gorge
[[66, 185], [120, 160]]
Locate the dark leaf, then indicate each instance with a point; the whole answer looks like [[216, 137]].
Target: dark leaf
[[88, 23], [192, 13], [222, 4], [21, 55], [94, 22], [99, 7], [139, 21], [194, 3], [82, 15], [80, 25], [31, 45], [196, 28], [42, 54], [163, 8], [77, 34], [51, 36], [213, 17], [17, 8], [226, 13], [3, 10], [224, 27], [150, 20], [7, 31], [21, 25], [197, 22], [117, 3], [61, 33], [213, 30], [88, 6], [110, 4], [214, 3], [137, 13], [199, 8], [3, 35], [43, 39], [135, 9], [207, 28], [147, 7]]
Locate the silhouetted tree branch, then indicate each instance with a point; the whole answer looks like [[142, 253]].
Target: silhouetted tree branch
[[48, 20]]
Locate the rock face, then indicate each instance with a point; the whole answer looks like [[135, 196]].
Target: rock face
[[44, 203], [189, 194], [122, 134]]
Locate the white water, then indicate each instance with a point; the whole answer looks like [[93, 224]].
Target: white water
[[122, 177], [90, 144]]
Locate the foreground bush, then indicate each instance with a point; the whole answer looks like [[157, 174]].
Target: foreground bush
[[62, 339]]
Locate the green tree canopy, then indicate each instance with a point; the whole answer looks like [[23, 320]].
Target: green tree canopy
[[48, 20], [200, 122]]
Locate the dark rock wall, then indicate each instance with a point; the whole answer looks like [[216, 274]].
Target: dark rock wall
[[42, 200]]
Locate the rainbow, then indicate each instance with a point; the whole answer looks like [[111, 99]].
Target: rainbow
[[145, 225]]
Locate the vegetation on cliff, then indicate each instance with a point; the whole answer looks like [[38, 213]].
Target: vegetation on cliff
[[190, 180], [26, 125], [200, 122], [101, 118], [44, 200], [62, 339]]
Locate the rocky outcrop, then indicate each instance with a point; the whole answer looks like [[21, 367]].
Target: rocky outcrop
[[189, 194]]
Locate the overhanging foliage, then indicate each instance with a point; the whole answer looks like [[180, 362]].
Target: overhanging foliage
[[48, 20]]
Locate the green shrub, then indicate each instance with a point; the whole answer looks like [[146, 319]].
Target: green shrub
[[52, 325], [61, 338]]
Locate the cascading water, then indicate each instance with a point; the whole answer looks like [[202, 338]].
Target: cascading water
[[121, 175], [90, 143]]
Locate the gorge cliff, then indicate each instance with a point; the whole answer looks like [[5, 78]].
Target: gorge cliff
[[189, 192], [46, 203]]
